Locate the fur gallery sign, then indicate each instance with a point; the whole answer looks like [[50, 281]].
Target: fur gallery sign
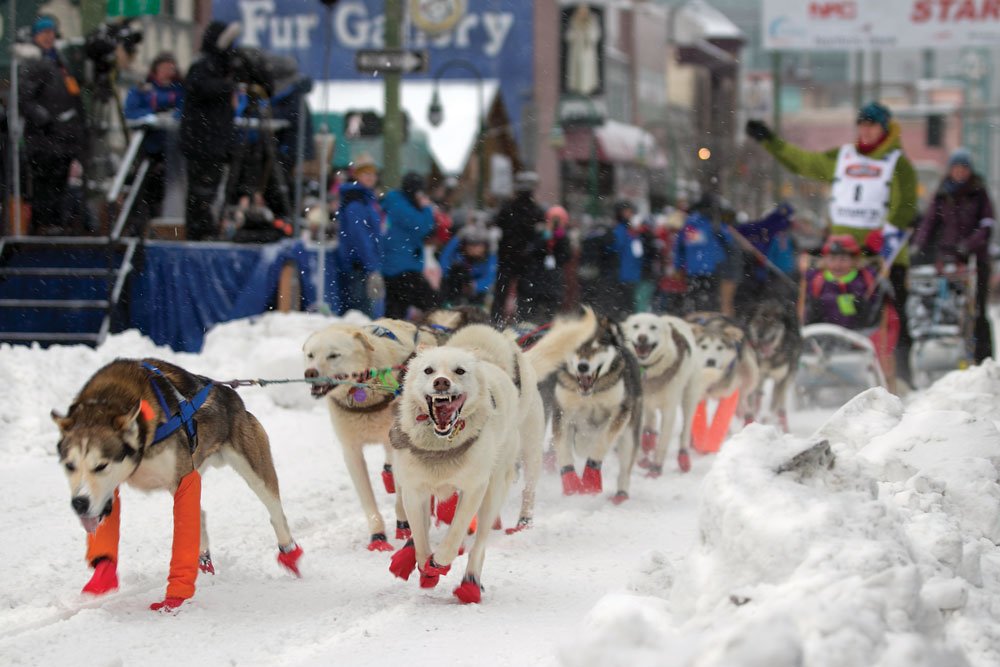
[[887, 24]]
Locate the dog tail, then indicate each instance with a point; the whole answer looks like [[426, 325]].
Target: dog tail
[[564, 336]]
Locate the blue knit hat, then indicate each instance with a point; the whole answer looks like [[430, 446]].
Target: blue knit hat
[[873, 112], [43, 23], [961, 156]]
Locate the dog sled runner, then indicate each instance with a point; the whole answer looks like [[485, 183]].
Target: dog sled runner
[[941, 311]]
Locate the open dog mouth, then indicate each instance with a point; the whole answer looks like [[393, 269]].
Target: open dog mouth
[[321, 389], [444, 409], [90, 523], [586, 382], [643, 350]]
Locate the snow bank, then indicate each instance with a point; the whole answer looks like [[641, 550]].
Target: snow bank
[[880, 549]]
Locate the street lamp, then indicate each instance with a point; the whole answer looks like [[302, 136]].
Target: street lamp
[[435, 116]]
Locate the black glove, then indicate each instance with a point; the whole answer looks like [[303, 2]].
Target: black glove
[[758, 130]]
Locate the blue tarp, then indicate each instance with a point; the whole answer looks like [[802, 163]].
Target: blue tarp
[[180, 290]]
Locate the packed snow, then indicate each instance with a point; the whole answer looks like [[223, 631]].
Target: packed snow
[[878, 549]]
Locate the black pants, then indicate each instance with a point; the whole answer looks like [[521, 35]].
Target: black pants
[[150, 198], [204, 177], [982, 333], [702, 294], [405, 290], [897, 278], [49, 193]]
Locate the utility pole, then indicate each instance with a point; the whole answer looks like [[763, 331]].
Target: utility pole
[[859, 79], [776, 172], [392, 127]]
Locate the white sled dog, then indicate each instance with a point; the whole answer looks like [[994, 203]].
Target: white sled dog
[[597, 399], [155, 426], [363, 415], [671, 366], [468, 412], [730, 364]]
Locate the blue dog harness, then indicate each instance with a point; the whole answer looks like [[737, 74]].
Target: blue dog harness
[[185, 409]]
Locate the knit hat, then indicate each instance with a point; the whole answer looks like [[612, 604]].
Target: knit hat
[[525, 181], [873, 112], [841, 244], [363, 162], [43, 23], [961, 156], [557, 214]]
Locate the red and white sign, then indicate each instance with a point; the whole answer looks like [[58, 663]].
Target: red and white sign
[[857, 25]]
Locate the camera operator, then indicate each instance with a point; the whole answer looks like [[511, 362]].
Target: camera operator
[[207, 124], [55, 129]]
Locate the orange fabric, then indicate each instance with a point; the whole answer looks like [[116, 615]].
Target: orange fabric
[[146, 410], [708, 439], [187, 537], [887, 335], [103, 543]]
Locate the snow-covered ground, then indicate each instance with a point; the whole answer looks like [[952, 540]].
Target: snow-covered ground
[[890, 557]]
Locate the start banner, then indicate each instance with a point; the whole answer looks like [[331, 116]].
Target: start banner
[[858, 25]]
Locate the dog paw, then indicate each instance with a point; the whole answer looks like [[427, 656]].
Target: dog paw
[[388, 481], [431, 568], [379, 542], [105, 578], [522, 524], [404, 561], [654, 471], [205, 563], [167, 604], [684, 460], [288, 557], [469, 592], [403, 531], [590, 481], [429, 580], [497, 524], [446, 509], [619, 497], [570, 482]]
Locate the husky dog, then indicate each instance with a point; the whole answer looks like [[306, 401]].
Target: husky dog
[[363, 415], [598, 399], [730, 364], [773, 330], [154, 426], [453, 319], [671, 367], [468, 412]]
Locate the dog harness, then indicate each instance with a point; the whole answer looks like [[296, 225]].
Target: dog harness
[[185, 409]]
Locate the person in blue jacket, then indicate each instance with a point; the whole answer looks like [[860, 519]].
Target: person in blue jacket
[[701, 251], [161, 93], [468, 268], [409, 221], [629, 246], [359, 253]]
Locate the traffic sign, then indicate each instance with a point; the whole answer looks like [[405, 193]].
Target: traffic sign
[[405, 61]]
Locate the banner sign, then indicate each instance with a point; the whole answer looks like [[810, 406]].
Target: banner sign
[[859, 25]]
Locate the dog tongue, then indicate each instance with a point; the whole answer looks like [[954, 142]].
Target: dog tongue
[[443, 412], [90, 523]]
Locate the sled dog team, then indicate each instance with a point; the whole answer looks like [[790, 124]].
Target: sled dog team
[[458, 408]]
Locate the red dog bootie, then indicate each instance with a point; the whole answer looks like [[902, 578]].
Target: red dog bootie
[[469, 592], [649, 441], [289, 557], [654, 471], [387, 479], [404, 561], [380, 542], [619, 498], [684, 460], [570, 481], [105, 578], [522, 524], [591, 479], [205, 562], [446, 509], [403, 531], [167, 604], [431, 573]]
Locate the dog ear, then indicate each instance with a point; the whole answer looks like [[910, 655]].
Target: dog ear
[[733, 333], [63, 422], [125, 421], [696, 329], [363, 338]]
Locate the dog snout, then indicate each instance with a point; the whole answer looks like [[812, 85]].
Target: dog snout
[[583, 367], [80, 504], [643, 339], [710, 363], [442, 384], [311, 373]]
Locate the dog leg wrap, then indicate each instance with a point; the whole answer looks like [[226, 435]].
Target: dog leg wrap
[[470, 591], [619, 497], [404, 561], [446, 508], [103, 542], [684, 460], [649, 438], [591, 480], [187, 538], [403, 530], [570, 481], [387, 479], [379, 542], [654, 471], [289, 556], [522, 524], [104, 579], [205, 563]]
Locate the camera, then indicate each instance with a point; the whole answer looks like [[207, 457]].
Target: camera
[[102, 44], [254, 68]]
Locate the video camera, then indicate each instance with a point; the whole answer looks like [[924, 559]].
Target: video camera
[[254, 68], [102, 44]]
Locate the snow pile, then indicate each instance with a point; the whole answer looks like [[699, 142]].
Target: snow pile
[[880, 549]]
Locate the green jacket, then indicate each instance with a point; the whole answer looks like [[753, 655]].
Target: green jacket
[[821, 166]]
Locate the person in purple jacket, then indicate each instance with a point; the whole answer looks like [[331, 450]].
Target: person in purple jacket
[[957, 226], [840, 292]]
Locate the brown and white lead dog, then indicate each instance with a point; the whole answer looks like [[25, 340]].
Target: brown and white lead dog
[[117, 432], [363, 416], [469, 411], [671, 366]]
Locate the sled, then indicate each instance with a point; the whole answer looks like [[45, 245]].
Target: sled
[[836, 364], [941, 312]]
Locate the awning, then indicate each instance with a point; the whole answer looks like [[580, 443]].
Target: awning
[[617, 142], [451, 142], [706, 36]]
